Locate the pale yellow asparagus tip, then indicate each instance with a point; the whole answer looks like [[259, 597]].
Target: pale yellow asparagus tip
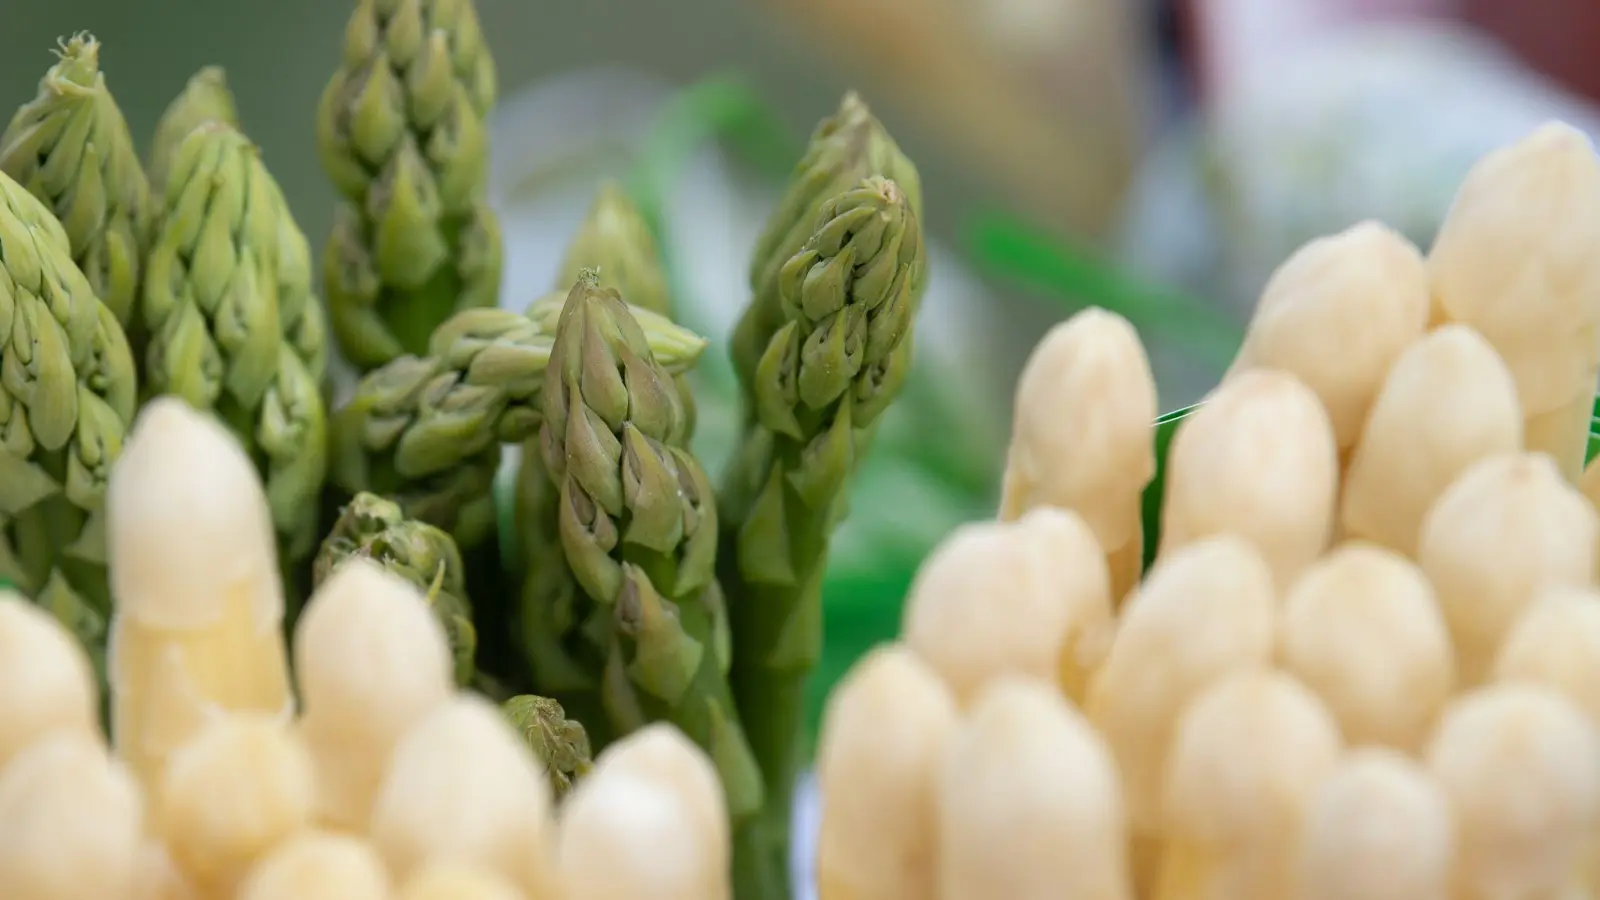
[[1030, 597], [1205, 610], [625, 836], [71, 822], [1448, 402], [1556, 642], [1081, 433], [1517, 763], [1337, 315], [1257, 459], [878, 761], [159, 876], [371, 659], [1379, 828], [46, 684], [1248, 756], [458, 881], [318, 865], [1589, 484], [1362, 628], [660, 753], [231, 794], [1508, 528], [1029, 804], [461, 786], [1518, 258], [197, 622]]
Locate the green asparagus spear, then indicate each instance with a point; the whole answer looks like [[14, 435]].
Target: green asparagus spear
[[67, 393], [637, 520], [402, 134], [428, 430], [375, 528], [205, 98], [70, 146], [848, 299], [845, 148], [213, 306], [615, 240], [557, 741]]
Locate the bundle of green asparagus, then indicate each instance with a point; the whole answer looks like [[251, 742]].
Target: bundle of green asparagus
[[628, 590]]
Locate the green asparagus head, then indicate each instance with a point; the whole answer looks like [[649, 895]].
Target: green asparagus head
[[204, 98], [558, 742], [70, 146], [375, 528], [610, 439], [615, 240]]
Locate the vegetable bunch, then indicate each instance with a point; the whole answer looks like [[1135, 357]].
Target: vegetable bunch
[[1365, 662]]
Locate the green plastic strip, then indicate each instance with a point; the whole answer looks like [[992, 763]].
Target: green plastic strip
[[1150, 503], [1594, 432]]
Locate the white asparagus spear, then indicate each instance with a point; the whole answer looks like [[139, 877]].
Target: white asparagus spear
[[159, 876], [371, 660], [879, 757], [660, 752], [1081, 434], [1029, 805], [624, 835], [46, 683], [1379, 828], [1029, 597], [1362, 628], [197, 624], [1205, 610], [1518, 258], [230, 795], [1556, 642], [1448, 402], [318, 865], [1508, 528], [1336, 315], [461, 786], [459, 881], [1517, 762], [71, 822], [1258, 460], [1248, 756]]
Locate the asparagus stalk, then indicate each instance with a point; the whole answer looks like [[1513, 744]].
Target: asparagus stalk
[[318, 865], [70, 146], [1379, 827], [834, 365], [402, 133], [639, 528], [67, 402]]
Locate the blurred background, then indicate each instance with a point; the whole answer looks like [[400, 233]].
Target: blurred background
[[1156, 157]]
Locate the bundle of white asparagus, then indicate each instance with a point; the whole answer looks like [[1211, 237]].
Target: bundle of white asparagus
[[1365, 664], [380, 781]]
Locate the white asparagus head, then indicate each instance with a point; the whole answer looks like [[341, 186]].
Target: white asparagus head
[[188, 523], [1336, 315], [1204, 610], [1362, 628], [879, 760], [460, 881], [1448, 402], [660, 752], [46, 682], [1081, 428], [461, 786], [243, 784], [1508, 528], [1517, 762], [160, 877], [71, 822], [1247, 758], [371, 659], [1029, 597], [1516, 258], [623, 835], [1029, 804], [1378, 828], [1257, 459], [318, 865], [1556, 642]]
